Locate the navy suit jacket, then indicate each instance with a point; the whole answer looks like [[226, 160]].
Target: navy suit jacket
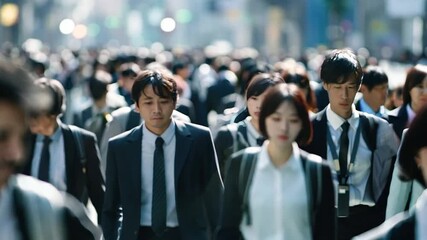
[[198, 186], [76, 174], [398, 117]]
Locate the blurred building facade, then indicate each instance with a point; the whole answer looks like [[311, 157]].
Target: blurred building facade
[[281, 27]]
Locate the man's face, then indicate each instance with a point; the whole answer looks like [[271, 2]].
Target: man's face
[[341, 97], [155, 111], [376, 96], [12, 132]]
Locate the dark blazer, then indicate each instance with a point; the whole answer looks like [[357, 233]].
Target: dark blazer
[[398, 117], [226, 142], [400, 226], [198, 186], [76, 174], [322, 211]]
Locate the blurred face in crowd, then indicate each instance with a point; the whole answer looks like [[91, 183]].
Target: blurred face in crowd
[[43, 124], [284, 125], [419, 95], [254, 107], [376, 96], [127, 82], [341, 97], [155, 110], [421, 160], [12, 131]]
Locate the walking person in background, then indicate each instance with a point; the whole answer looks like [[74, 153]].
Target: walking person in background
[[63, 155], [163, 180], [412, 166], [236, 136], [360, 147], [278, 191], [30, 209], [404, 194]]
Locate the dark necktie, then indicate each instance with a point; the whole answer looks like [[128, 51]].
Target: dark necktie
[[344, 142], [158, 206], [260, 141], [45, 160]]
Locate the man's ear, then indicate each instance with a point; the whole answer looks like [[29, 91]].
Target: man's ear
[[136, 107]]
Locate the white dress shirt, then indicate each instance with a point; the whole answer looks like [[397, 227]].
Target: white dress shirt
[[9, 228], [252, 133], [278, 200], [421, 217], [57, 173], [359, 176], [364, 107], [148, 147]]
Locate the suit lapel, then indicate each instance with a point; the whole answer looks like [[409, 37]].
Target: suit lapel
[[319, 134], [183, 145], [132, 159]]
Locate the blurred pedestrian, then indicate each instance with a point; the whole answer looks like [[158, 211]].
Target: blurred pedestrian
[[29, 208], [279, 191], [412, 163]]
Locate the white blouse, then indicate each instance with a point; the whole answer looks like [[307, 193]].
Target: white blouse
[[278, 200]]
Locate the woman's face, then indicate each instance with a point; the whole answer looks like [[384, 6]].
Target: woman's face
[[421, 160], [254, 105], [419, 95], [284, 125]]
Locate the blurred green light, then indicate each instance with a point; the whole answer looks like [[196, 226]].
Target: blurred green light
[[184, 16], [93, 29], [112, 22]]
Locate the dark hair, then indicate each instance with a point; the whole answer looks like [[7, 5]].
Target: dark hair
[[261, 82], [415, 76], [163, 85], [374, 76], [339, 66], [98, 84], [15, 85], [302, 80], [412, 142], [286, 93], [54, 91]]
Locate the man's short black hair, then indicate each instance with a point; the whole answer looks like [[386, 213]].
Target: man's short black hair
[[340, 66], [374, 76]]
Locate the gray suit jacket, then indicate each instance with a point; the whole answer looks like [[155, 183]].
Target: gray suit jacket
[[198, 186]]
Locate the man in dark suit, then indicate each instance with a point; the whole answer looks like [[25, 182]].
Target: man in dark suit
[[65, 156], [359, 147], [374, 89], [163, 179], [29, 208]]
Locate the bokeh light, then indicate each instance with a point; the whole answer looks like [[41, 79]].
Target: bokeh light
[[167, 24], [9, 13], [67, 26]]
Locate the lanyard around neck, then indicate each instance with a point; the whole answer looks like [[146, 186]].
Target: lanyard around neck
[[332, 147]]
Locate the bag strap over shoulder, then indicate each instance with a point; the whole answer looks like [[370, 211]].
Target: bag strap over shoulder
[[246, 172]]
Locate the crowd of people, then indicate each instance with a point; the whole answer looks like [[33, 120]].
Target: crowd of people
[[178, 144]]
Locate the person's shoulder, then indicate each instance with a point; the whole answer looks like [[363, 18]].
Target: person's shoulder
[[121, 111], [394, 112], [80, 130], [180, 116], [36, 190]]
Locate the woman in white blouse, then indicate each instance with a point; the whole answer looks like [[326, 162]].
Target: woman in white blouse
[[412, 165], [277, 191]]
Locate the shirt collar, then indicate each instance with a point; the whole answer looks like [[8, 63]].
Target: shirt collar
[[167, 135], [411, 113], [265, 160], [251, 129], [366, 108], [336, 121]]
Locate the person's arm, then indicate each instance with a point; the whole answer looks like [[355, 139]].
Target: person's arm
[[94, 178], [111, 211], [231, 205], [213, 183]]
